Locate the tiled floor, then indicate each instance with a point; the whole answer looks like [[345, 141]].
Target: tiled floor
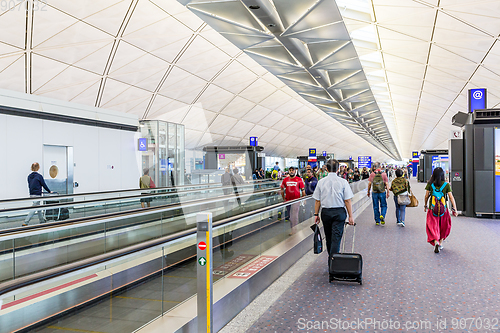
[[406, 286]]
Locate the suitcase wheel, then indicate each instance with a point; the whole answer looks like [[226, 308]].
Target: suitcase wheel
[[360, 281]]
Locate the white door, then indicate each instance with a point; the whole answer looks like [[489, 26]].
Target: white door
[[55, 168]]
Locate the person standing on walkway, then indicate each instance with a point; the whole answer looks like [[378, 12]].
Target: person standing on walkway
[[333, 196], [146, 182], [380, 184], [438, 224], [292, 187], [35, 184], [399, 185], [310, 185]]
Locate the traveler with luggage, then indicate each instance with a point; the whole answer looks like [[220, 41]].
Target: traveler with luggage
[[292, 187], [438, 224], [379, 183], [400, 186], [35, 184], [333, 195], [146, 182]]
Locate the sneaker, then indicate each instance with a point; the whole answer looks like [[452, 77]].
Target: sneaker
[[382, 220], [441, 246], [402, 224], [436, 247], [377, 223], [24, 225]]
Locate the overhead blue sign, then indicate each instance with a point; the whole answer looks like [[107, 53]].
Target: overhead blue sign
[[324, 153], [350, 157], [253, 141], [477, 99], [364, 162], [143, 144]]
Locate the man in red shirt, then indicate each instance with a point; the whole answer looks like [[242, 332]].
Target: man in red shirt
[[292, 187]]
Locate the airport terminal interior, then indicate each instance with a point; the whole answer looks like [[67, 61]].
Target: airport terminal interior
[[249, 166]]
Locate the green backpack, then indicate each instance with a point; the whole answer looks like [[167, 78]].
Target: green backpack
[[399, 185], [378, 184]]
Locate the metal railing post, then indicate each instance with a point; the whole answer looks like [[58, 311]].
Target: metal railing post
[[204, 272]]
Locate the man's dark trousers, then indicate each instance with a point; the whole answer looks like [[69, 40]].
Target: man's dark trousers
[[333, 222]]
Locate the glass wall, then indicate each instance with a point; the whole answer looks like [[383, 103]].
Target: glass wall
[[164, 156]]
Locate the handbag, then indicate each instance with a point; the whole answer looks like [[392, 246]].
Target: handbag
[[413, 200], [318, 241], [404, 199], [151, 183]]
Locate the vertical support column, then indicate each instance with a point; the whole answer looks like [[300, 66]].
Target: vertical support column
[[469, 170], [204, 272]]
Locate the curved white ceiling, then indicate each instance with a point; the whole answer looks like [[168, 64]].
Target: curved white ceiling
[[156, 59]]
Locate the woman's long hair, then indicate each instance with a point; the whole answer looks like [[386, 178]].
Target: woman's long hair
[[437, 177]]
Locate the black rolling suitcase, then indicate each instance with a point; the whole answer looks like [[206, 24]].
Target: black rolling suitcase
[[346, 266], [56, 214]]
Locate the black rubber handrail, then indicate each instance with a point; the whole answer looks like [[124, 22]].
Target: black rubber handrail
[[69, 268], [173, 188], [152, 210], [104, 200]]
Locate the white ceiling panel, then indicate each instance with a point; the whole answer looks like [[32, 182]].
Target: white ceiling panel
[[161, 51], [198, 119], [239, 107], [215, 98]]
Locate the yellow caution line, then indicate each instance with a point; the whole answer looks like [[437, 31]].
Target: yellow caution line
[[71, 329], [145, 299]]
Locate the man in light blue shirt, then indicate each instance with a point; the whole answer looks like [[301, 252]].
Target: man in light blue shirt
[[333, 195], [277, 167]]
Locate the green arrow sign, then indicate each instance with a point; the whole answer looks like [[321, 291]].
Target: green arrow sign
[[202, 261]]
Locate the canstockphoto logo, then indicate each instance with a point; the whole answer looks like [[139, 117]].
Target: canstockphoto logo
[[478, 94]]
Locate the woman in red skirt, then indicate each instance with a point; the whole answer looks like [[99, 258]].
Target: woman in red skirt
[[438, 217]]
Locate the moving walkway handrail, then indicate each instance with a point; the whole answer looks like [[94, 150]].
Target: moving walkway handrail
[[104, 200], [104, 218], [172, 188], [28, 280]]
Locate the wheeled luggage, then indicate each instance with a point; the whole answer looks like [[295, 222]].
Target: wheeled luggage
[[56, 214], [346, 266]]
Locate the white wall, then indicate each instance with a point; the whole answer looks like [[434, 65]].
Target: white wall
[[106, 159]]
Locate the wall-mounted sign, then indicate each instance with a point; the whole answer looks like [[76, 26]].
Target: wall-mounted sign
[[456, 135], [350, 157], [364, 162], [143, 144], [253, 141], [312, 159], [222, 156], [477, 99], [324, 153]]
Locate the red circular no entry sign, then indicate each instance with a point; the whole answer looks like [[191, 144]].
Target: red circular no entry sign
[[202, 245]]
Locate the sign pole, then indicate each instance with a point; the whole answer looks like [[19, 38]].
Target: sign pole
[[204, 272]]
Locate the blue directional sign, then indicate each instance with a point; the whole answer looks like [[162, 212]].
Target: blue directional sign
[[350, 157], [477, 99], [324, 153], [143, 144], [364, 162], [253, 141]]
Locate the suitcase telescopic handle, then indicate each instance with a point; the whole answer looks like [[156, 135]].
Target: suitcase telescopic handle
[[353, 237]]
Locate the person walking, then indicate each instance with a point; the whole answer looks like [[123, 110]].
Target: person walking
[[261, 174], [379, 183], [146, 182], [35, 185], [365, 174], [333, 197], [292, 187], [323, 173], [438, 222], [310, 185], [399, 185]]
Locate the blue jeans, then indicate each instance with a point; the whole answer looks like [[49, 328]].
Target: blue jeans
[[400, 210], [379, 199]]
